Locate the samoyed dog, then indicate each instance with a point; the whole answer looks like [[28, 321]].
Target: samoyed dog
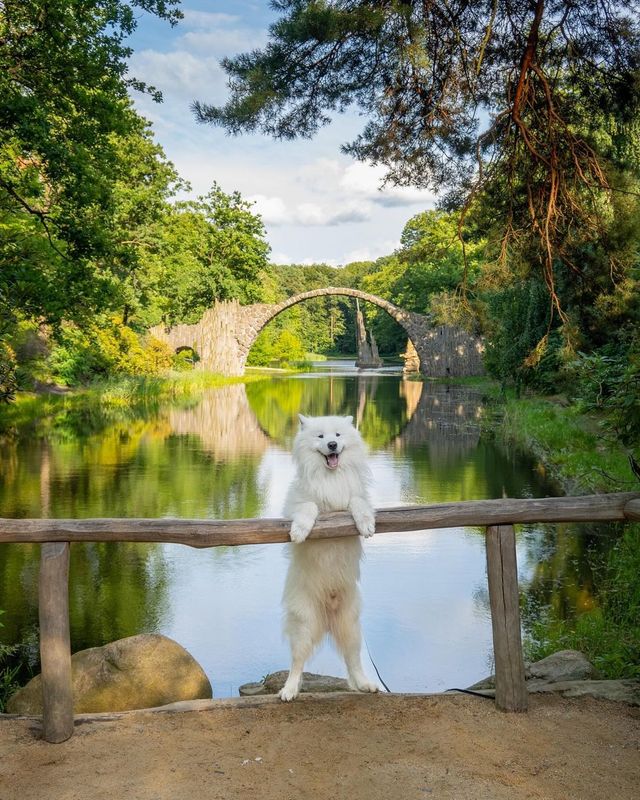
[[321, 594]]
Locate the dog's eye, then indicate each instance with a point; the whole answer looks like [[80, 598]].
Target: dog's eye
[[337, 434], [321, 436]]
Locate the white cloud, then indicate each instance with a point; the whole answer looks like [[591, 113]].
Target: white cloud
[[366, 180], [318, 205], [180, 76], [323, 175], [220, 42], [274, 211], [372, 251], [206, 19]]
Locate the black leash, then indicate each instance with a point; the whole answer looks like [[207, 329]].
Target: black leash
[[376, 668], [462, 691], [470, 691]]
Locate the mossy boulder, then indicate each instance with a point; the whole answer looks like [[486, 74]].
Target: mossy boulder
[[141, 671]]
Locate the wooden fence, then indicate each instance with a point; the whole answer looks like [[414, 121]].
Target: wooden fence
[[497, 516]]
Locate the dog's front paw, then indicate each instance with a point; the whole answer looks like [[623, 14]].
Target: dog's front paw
[[288, 693], [366, 524], [299, 532]]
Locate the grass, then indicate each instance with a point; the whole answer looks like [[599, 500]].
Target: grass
[[139, 389], [576, 453], [570, 444]]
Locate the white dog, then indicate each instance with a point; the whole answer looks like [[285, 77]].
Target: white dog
[[321, 592]]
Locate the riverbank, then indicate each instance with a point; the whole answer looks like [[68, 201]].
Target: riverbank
[[573, 447], [575, 453], [385, 747], [116, 394]]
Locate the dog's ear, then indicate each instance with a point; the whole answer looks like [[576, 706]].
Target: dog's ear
[[303, 420], [349, 420]]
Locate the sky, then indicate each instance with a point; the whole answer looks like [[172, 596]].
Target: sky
[[318, 205]]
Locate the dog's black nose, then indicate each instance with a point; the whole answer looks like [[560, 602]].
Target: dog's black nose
[[332, 445]]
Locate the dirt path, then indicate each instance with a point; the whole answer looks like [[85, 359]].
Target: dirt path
[[336, 746]]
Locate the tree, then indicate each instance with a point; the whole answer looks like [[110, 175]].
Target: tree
[[63, 84], [141, 210], [210, 249], [485, 97]]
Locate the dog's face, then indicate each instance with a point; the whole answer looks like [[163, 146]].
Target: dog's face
[[327, 440]]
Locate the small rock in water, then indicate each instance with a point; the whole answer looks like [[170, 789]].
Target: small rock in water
[[272, 684]]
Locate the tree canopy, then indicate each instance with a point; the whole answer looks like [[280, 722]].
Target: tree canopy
[[531, 103], [63, 116]]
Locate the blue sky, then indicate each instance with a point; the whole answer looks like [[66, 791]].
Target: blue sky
[[317, 204]]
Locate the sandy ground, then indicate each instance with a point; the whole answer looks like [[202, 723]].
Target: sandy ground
[[335, 746]]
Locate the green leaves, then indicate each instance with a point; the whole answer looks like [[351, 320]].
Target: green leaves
[[64, 110]]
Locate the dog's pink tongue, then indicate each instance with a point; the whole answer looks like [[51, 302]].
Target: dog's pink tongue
[[332, 460]]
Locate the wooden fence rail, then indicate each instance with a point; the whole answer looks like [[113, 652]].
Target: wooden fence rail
[[497, 516]]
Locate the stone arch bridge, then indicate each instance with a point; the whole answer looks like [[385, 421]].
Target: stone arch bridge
[[227, 331]]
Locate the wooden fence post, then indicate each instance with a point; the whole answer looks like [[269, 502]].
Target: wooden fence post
[[502, 571], [55, 642]]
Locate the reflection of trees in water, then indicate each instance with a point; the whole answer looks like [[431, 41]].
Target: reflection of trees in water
[[450, 458], [124, 465], [115, 590], [224, 423], [568, 562]]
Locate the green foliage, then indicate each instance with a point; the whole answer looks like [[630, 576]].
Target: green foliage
[[210, 249], [609, 634], [10, 668], [543, 153], [106, 348], [520, 347], [567, 444], [424, 275], [8, 379], [430, 261], [275, 347], [322, 324], [64, 108], [607, 382]]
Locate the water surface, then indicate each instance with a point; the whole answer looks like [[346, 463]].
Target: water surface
[[226, 454]]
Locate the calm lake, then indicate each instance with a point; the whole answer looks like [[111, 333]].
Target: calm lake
[[225, 454]]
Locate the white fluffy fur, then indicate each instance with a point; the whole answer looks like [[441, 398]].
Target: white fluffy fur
[[321, 591]]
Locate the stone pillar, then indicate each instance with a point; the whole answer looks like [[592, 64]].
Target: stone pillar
[[367, 352]]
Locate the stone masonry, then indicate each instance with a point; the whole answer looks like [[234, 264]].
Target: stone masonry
[[225, 334]]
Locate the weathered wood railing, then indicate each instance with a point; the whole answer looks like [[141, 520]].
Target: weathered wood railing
[[497, 516]]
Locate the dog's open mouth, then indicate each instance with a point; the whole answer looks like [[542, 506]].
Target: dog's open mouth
[[332, 460]]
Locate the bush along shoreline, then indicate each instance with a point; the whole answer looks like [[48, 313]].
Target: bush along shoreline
[[581, 456]]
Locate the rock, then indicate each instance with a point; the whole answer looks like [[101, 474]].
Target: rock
[[621, 691], [565, 665], [570, 674], [272, 684], [137, 672]]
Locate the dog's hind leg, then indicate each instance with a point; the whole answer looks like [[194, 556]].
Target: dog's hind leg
[[345, 630], [304, 635]]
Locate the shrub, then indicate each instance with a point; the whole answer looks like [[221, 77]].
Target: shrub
[[520, 347], [105, 349], [8, 378], [608, 381]]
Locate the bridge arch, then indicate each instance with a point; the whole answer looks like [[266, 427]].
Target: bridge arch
[[227, 331], [272, 311]]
